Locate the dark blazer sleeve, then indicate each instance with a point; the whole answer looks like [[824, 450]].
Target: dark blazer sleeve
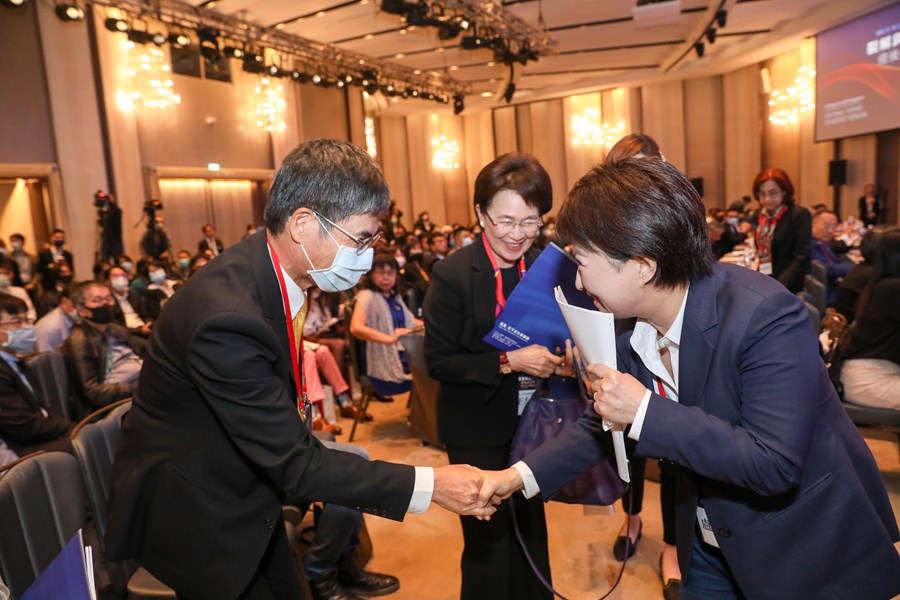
[[258, 411], [21, 421], [798, 237]]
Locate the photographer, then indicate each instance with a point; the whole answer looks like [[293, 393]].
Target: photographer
[[109, 220], [155, 244]]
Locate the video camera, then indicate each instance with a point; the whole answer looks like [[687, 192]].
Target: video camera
[[150, 207]]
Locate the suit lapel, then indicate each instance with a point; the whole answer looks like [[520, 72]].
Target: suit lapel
[[29, 395], [483, 286], [697, 337], [270, 294]]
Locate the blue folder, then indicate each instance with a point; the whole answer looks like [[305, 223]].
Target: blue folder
[[65, 578]]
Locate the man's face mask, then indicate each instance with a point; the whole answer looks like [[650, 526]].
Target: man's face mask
[[22, 340], [346, 269]]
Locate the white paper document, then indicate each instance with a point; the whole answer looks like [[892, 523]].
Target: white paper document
[[594, 334]]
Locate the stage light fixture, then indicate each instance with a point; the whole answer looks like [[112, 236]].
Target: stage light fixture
[[209, 44], [317, 79], [721, 17], [464, 24], [340, 82], [233, 52], [12, 3], [458, 104], [140, 36], [159, 38], [699, 49], [179, 39], [275, 71], [471, 42], [69, 12], [116, 25], [711, 35]]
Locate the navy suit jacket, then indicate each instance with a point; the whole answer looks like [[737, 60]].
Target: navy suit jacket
[[759, 435]]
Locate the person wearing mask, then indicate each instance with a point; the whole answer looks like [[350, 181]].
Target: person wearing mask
[[836, 268], [104, 358], [7, 287], [423, 223], [54, 253], [24, 424], [462, 237], [128, 308], [27, 264], [159, 290], [127, 265], [718, 373], [214, 442], [871, 370], [156, 244], [481, 388], [182, 266], [854, 283], [56, 326], [197, 261], [871, 206], [784, 230], [415, 276], [210, 241]]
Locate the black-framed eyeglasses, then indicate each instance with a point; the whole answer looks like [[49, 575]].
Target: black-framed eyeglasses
[[529, 227], [17, 322], [362, 244]]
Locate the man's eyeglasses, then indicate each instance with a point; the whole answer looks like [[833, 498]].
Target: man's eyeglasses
[[17, 322], [362, 244], [529, 227]]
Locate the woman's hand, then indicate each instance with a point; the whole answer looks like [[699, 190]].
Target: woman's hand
[[398, 333], [534, 360], [567, 367]]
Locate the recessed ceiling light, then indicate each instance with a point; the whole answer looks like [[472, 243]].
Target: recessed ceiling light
[[487, 94]]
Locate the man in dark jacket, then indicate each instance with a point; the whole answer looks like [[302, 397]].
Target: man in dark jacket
[[105, 360]]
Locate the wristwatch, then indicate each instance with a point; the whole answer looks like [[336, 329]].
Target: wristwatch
[[505, 369]]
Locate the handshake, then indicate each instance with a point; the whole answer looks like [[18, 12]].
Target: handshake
[[466, 490]]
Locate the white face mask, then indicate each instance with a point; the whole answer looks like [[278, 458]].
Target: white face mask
[[346, 269], [120, 284], [401, 260], [22, 340]]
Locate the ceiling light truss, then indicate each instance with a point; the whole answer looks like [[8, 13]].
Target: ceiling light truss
[[309, 58]]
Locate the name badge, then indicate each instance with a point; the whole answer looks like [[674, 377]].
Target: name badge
[[765, 266], [527, 387], [706, 528]]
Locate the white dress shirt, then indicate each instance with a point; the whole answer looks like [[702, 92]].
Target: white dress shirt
[[423, 489]]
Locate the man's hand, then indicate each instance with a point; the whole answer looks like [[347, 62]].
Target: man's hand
[[457, 487], [617, 396], [500, 485]]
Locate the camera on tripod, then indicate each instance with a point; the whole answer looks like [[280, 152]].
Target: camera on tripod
[[101, 200], [150, 207]]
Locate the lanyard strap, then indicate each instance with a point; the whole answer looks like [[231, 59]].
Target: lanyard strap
[[659, 386], [498, 277], [764, 241], [296, 348]]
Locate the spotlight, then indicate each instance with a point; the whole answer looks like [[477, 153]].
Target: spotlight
[[471, 42], [69, 12], [12, 3], [699, 49], [159, 38], [317, 79], [458, 104], [116, 25], [253, 63], [348, 78], [339, 82], [140, 36], [721, 17], [179, 40], [233, 52], [209, 44], [414, 93], [464, 24], [510, 90], [275, 71], [711, 35]]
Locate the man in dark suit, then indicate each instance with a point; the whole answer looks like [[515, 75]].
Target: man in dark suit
[[719, 373], [24, 424], [210, 241], [214, 442], [55, 253]]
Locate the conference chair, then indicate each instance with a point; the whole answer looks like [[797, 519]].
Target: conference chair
[[817, 289], [47, 373], [42, 505], [817, 270], [94, 440], [358, 372]]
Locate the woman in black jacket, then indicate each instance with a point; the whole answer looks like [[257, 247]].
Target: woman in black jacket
[[784, 230]]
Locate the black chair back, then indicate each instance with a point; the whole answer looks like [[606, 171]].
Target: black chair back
[[817, 289], [48, 374], [817, 270]]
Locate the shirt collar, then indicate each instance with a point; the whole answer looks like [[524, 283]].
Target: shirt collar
[[644, 342], [296, 295]]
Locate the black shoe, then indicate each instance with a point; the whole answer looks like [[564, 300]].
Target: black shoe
[[327, 587], [364, 583], [381, 398], [622, 541]]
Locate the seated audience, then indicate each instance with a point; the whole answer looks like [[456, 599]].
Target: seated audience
[[129, 306], [822, 250], [325, 325], [55, 327], [159, 290], [871, 206], [380, 319], [7, 287], [423, 223], [721, 243], [197, 261], [104, 358], [318, 363], [24, 424], [853, 284], [871, 370]]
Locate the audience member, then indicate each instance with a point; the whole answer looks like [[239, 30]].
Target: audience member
[[104, 358], [53, 254], [7, 287], [55, 327], [415, 276], [6, 456], [438, 251], [784, 233], [156, 244], [871, 370], [159, 290], [380, 318], [197, 261], [853, 284], [721, 242], [27, 277], [823, 225], [871, 206], [182, 267], [481, 388], [24, 424], [128, 310], [462, 237], [210, 241], [423, 223]]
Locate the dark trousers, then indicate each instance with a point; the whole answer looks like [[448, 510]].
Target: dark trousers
[[634, 495], [276, 577], [493, 564]]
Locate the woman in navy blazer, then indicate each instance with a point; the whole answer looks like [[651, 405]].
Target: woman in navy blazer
[[769, 465]]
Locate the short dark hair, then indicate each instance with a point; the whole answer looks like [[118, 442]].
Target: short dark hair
[[17, 236], [79, 292], [633, 144], [334, 178], [868, 246], [639, 207], [12, 305], [58, 230], [781, 179], [519, 173]]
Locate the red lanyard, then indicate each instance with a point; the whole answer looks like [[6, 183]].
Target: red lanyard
[[501, 299], [659, 386], [765, 249], [299, 376]]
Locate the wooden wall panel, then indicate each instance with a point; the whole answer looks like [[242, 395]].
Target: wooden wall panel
[[454, 181], [781, 143], [479, 146], [324, 112], [663, 118], [393, 155], [524, 138], [813, 175], [547, 127], [742, 131], [505, 136], [860, 154], [704, 138], [578, 158], [426, 183]]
